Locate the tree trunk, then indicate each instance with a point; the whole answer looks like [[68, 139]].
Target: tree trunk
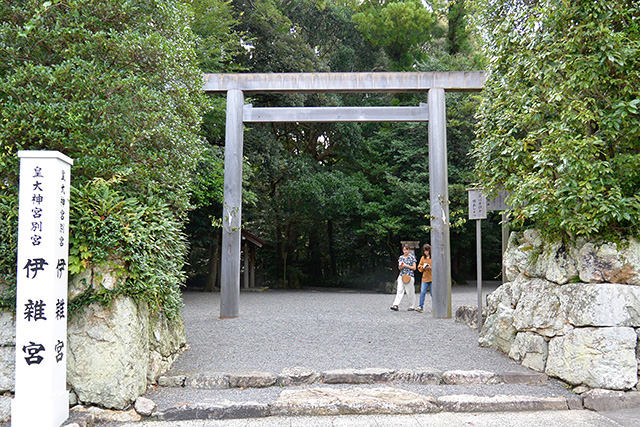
[[314, 268], [332, 254], [212, 265]]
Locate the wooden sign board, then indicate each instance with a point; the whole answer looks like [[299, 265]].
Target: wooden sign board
[[479, 205]]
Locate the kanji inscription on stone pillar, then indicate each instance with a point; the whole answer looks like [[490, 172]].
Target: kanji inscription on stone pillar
[[41, 396]]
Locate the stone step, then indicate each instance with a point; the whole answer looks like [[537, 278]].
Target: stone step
[[360, 401], [302, 376], [354, 400]]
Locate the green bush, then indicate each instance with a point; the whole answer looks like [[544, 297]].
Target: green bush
[[113, 84], [8, 248], [560, 119], [144, 240]]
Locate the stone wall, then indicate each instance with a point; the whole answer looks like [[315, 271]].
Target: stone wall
[[114, 352], [7, 362], [571, 311]]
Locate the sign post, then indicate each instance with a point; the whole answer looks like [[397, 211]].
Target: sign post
[[478, 207], [478, 211], [41, 396]]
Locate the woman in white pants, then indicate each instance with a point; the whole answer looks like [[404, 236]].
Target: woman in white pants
[[406, 265]]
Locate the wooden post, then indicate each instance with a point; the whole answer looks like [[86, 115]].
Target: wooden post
[[479, 270], [252, 268], [245, 275], [439, 200], [505, 241], [232, 208]]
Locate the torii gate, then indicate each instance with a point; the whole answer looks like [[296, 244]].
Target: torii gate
[[435, 83]]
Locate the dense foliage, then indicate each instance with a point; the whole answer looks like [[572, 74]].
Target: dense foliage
[[142, 242], [114, 85], [560, 117]]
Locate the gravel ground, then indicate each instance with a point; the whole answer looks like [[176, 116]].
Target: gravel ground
[[326, 330]]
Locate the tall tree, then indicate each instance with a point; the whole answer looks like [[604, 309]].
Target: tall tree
[[334, 200], [218, 43], [112, 84], [401, 28], [560, 118]]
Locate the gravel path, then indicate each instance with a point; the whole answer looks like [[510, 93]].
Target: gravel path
[[326, 330]]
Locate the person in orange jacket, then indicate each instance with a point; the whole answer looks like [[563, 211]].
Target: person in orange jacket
[[425, 268]]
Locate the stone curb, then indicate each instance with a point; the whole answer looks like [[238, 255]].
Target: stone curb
[[609, 400], [203, 411], [452, 403], [505, 403], [301, 376]]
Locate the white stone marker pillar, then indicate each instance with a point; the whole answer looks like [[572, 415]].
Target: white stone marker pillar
[[232, 208], [41, 396], [439, 201]]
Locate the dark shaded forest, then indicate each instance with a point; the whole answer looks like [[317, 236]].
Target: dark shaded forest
[[332, 202]]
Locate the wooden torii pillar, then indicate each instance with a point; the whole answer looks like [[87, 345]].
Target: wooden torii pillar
[[237, 86]]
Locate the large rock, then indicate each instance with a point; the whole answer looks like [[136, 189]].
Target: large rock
[[498, 331], [108, 356], [531, 350], [608, 400], [425, 376], [298, 376], [557, 263], [105, 276], [7, 369], [252, 379], [596, 357], [7, 329], [584, 289], [476, 377], [468, 315], [592, 262], [522, 249], [603, 304], [528, 253], [539, 308], [507, 295], [5, 409], [358, 376], [500, 403], [610, 262], [207, 381], [167, 340], [7, 351], [108, 416]]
